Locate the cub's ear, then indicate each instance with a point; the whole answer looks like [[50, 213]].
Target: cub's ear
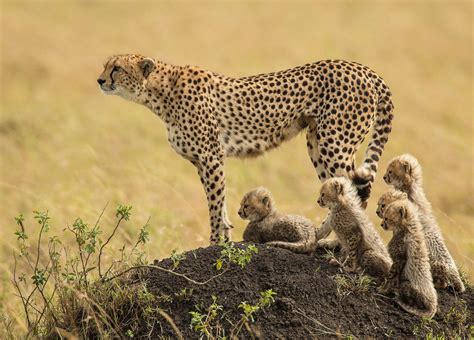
[[404, 195], [406, 167], [147, 66], [403, 211], [339, 188], [266, 201]]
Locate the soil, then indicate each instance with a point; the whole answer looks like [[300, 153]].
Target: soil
[[308, 302]]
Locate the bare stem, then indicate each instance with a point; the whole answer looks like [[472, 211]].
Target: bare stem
[[167, 271], [105, 243]]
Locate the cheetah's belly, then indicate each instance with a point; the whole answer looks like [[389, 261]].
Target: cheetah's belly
[[252, 141], [177, 142]]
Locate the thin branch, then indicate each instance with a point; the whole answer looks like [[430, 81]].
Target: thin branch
[[84, 271], [17, 286], [39, 242], [327, 330], [105, 316], [95, 226], [47, 306], [138, 241], [107, 242], [171, 323], [167, 271]]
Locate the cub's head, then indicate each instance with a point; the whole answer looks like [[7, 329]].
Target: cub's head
[[397, 215], [124, 75], [256, 204], [388, 198], [337, 190], [403, 171]]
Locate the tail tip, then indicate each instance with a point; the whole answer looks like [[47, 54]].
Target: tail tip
[[362, 179]]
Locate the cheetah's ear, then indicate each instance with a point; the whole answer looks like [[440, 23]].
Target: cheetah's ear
[[266, 201], [147, 66], [403, 211]]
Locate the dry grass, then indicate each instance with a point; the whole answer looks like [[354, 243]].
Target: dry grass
[[67, 148]]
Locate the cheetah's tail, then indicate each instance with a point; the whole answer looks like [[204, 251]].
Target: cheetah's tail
[[302, 247], [364, 176]]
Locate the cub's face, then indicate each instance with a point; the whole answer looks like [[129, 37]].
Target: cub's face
[[124, 75], [330, 192], [395, 215], [387, 198], [255, 205], [398, 173]]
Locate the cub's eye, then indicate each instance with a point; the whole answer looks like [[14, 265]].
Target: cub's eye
[[116, 68], [322, 194]]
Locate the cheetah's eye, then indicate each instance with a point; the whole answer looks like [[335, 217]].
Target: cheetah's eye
[[116, 68]]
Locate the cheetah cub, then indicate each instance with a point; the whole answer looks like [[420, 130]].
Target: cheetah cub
[[405, 174], [268, 226], [358, 238], [388, 198], [410, 276]]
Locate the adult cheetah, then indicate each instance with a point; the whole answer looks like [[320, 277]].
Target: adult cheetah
[[210, 116]]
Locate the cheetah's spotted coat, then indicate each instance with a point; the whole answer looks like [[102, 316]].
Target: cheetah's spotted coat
[[210, 116]]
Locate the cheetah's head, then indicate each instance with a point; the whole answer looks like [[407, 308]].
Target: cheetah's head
[[335, 191], [396, 215], [387, 198], [125, 75], [402, 172], [256, 205]]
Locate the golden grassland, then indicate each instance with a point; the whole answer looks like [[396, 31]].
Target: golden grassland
[[69, 149]]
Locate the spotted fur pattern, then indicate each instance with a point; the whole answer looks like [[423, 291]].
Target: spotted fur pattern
[[356, 234], [410, 276], [387, 198], [210, 116], [405, 174], [267, 225]]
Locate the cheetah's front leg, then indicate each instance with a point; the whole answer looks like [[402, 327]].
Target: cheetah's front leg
[[211, 171]]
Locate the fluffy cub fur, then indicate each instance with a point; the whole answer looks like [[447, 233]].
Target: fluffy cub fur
[[388, 198], [404, 173], [356, 234], [410, 276], [268, 226]]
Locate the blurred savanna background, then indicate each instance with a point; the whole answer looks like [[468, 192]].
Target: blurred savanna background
[[68, 149]]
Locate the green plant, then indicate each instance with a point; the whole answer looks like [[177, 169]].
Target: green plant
[[425, 326], [266, 299], [205, 323], [457, 316], [184, 294], [430, 336], [464, 277], [65, 291], [208, 325], [346, 285], [176, 258], [232, 254]]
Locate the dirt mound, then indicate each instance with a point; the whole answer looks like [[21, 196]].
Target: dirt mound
[[313, 299]]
